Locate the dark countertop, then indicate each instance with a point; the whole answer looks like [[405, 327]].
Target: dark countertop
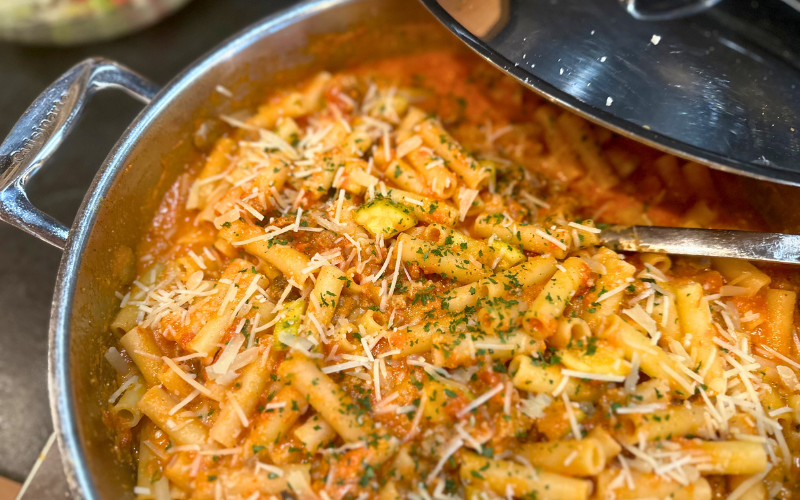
[[28, 266]]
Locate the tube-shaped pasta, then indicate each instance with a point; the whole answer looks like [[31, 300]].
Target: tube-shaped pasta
[[381, 448], [288, 130], [660, 261], [451, 350], [498, 315], [669, 326], [143, 350], [291, 104], [355, 178], [156, 404], [272, 176], [653, 360], [699, 180], [241, 402], [389, 106], [493, 256], [651, 485], [541, 319], [567, 330], [456, 240], [563, 163], [674, 422], [700, 215], [624, 161], [667, 168], [243, 482], [418, 339], [440, 260], [469, 202], [531, 237], [126, 318], [583, 236], [780, 320], [317, 184], [406, 177], [505, 255], [370, 320], [178, 470], [528, 376], [580, 136], [726, 457], [335, 406], [127, 408], [499, 351], [693, 311], [413, 117], [357, 144], [527, 274], [498, 475], [571, 457], [460, 298], [233, 297], [606, 441], [147, 466], [442, 182], [274, 422], [741, 273], [314, 433], [591, 355], [530, 273], [426, 209], [323, 300], [653, 391], [173, 382], [603, 301], [436, 138], [217, 162], [694, 315], [285, 258]]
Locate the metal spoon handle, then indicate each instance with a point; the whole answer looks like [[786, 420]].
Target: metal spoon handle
[[768, 247]]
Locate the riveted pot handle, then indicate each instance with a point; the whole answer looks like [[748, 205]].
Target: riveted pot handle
[[43, 128]]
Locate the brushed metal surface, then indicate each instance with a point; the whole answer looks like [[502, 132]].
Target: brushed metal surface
[[42, 129], [767, 247], [721, 87]]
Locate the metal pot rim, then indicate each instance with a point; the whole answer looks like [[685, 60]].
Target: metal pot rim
[[62, 401]]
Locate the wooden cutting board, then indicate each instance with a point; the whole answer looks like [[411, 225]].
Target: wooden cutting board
[[8, 489]]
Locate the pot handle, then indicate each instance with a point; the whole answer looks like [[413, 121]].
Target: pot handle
[[43, 128]]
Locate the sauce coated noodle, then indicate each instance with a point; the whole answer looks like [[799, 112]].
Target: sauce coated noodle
[[386, 284]]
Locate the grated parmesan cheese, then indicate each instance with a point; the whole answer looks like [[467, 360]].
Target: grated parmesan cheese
[[483, 398]]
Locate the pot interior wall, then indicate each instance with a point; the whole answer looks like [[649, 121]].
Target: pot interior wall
[[343, 34]]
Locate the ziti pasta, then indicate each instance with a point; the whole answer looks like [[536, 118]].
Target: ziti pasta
[[386, 284]]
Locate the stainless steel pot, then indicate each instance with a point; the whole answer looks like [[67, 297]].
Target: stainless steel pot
[[314, 35]]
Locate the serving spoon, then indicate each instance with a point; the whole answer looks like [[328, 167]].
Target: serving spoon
[[749, 245]]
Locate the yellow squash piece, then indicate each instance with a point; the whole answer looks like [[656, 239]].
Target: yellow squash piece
[[384, 216]]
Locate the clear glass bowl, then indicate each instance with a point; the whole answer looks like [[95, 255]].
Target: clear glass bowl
[[71, 22]]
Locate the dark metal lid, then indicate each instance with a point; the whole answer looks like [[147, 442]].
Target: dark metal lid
[[719, 84]]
